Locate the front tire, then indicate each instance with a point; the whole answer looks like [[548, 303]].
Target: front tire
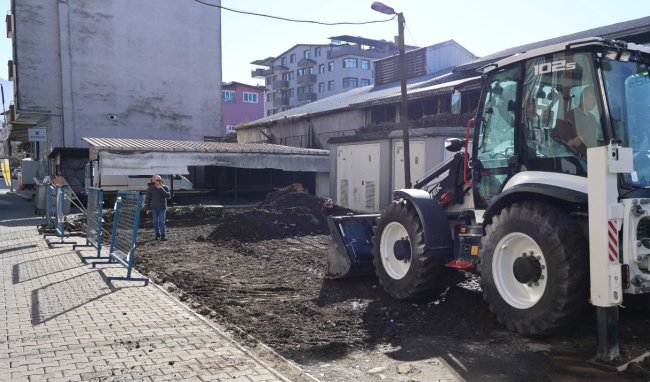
[[404, 267], [534, 268]]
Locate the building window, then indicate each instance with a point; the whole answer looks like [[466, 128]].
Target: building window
[[317, 52], [364, 82], [292, 58], [365, 64], [230, 129], [330, 66], [229, 96], [270, 112], [268, 97], [250, 97], [300, 72], [306, 53], [283, 60], [321, 87], [330, 85], [350, 82], [321, 68], [350, 63]]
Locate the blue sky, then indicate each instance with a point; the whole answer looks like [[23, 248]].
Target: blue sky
[[481, 26]]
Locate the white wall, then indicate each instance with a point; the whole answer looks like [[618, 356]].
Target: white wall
[[154, 64]]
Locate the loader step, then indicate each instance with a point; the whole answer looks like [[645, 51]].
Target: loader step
[[459, 264]]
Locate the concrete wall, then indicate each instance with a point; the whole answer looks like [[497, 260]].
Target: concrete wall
[[154, 65]]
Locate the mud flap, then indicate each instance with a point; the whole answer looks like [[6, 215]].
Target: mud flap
[[350, 250]]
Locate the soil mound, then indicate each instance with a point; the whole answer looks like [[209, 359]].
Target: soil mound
[[287, 212]]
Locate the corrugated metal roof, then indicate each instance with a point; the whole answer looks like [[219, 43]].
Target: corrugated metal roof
[[161, 145], [614, 31], [432, 87], [345, 100]]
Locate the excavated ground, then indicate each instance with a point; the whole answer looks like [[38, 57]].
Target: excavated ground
[[261, 273]]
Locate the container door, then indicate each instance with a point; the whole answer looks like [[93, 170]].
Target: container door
[[417, 149]]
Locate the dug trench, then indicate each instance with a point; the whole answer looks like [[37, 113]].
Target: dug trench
[[260, 273]]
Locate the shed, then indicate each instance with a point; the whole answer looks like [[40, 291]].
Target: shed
[[206, 162]]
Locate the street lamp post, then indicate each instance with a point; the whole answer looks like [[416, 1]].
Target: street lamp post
[[403, 117]]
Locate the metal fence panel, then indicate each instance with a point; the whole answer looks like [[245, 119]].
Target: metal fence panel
[[126, 219], [94, 218], [59, 217]]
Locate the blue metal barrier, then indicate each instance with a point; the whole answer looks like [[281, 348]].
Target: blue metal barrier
[[59, 218], [94, 214], [126, 219], [50, 210]]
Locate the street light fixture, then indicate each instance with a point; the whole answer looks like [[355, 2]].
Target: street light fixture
[[403, 117]]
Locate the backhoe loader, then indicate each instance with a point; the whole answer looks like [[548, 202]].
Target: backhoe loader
[[550, 206]]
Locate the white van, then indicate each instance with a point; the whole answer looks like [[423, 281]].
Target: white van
[[94, 178], [140, 182]]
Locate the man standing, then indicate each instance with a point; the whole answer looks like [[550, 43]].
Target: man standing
[[156, 202]]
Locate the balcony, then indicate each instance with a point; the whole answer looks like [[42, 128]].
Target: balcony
[[280, 102], [306, 62], [280, 84], [259, 72], [9, 20], [351, 50], [310, 97], [307, 79]]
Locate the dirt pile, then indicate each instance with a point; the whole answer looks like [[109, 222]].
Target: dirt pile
[[287, 212], [349, 329]]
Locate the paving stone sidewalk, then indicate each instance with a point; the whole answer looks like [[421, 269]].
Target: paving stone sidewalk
[[61, 321]]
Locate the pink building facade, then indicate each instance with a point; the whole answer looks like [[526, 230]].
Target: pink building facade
[[241, 103]]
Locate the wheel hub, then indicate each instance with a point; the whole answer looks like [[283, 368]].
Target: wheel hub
[[402, 249], [527, 269]]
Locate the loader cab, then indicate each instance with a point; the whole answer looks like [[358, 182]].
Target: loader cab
[[536, 114]]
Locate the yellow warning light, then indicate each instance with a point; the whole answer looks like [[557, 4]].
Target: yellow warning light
[[462, 229], [474, 250]]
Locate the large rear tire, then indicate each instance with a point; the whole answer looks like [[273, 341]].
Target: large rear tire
[[534, 268], [405, 268]]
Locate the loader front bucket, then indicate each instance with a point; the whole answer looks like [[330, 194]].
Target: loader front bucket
[[350, 250]]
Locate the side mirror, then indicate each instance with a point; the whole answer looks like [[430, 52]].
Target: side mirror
[[454, 144]]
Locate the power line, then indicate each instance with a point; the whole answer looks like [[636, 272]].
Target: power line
[[294, 20], [410, 35]]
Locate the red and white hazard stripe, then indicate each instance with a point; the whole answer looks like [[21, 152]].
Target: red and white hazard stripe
[[612, 232]]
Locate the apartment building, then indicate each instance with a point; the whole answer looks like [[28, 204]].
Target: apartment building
[[241, 103], [308, 72], [114, 68]]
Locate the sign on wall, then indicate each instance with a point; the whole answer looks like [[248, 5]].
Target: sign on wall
[[37, 134]]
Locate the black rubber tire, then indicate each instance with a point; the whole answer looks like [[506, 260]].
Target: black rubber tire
[[425, 270], [565, 251]]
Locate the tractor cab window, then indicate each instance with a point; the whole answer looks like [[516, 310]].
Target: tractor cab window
[[628, 93], [561, 114], [496, 135]]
